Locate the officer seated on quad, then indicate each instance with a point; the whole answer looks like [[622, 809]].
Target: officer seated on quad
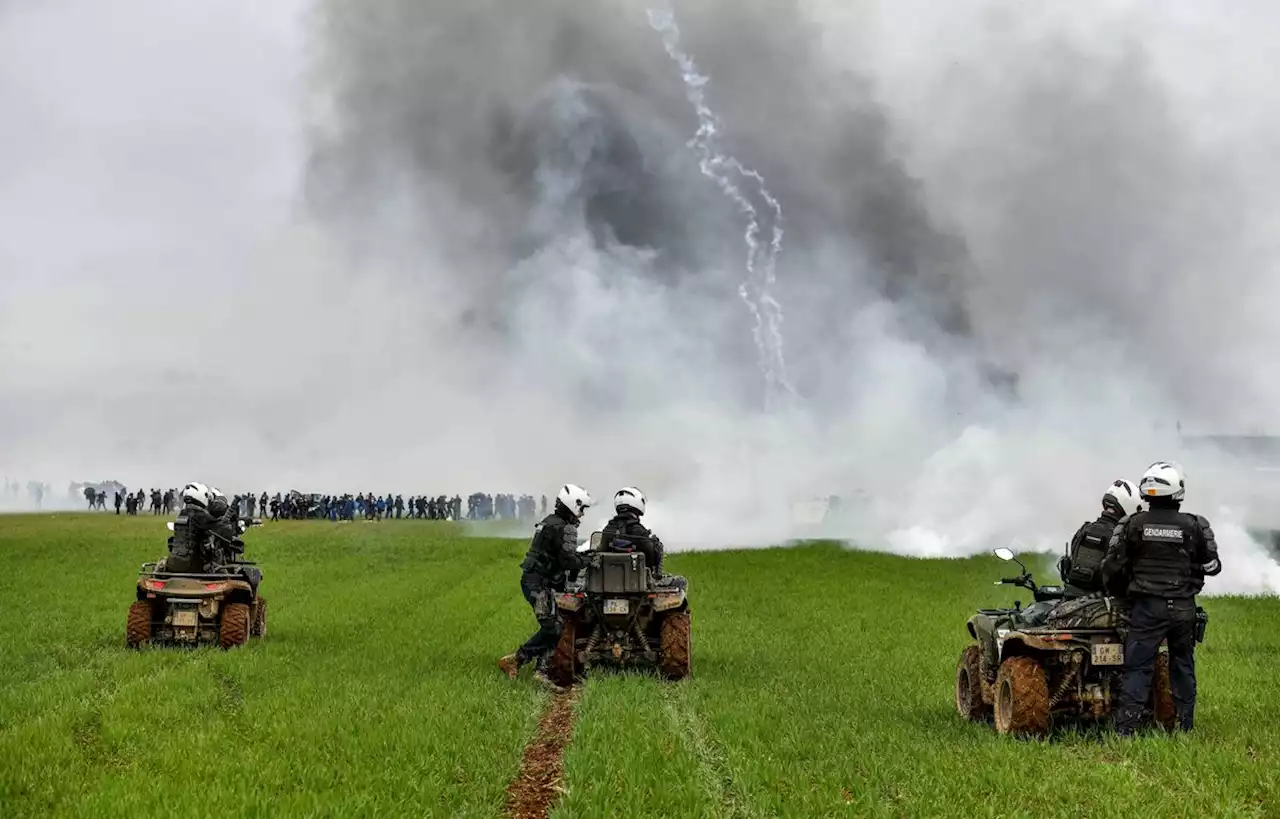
[[190, 549], [1081, 570], [226, 547], [225, 529], [625, 533]]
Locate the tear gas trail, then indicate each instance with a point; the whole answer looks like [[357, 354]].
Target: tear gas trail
[[755, 290], [349, 247]]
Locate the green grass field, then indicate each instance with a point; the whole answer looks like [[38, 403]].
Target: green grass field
[[822, 686]]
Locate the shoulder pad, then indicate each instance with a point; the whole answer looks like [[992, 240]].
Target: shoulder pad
[[1117, 533], [1202, 520]]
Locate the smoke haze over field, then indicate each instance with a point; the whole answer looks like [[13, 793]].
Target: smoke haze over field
[[447, 246]]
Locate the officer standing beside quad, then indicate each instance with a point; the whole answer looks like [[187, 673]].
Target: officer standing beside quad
[[552, 552], [1081, 569], [1159, 559]]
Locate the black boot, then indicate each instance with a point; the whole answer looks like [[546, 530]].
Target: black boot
[[1127, 721]]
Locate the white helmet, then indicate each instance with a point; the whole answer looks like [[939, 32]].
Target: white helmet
[[196, 493], [216, 494], [575, 499], [1124, 495], [629, 497], [1164, 479]]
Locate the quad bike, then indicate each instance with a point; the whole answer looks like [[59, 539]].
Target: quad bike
[[1055, 658], [220, 606], [617, 615]]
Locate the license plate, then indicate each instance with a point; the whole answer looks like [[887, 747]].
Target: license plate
[[616, 606], [1108, 654], [186, 618]]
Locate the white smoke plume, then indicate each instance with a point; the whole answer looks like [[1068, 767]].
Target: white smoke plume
[[452, 247]]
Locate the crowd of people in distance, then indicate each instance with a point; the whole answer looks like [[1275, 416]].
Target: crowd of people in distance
[[479, 506], [299, 506], [369, 506]]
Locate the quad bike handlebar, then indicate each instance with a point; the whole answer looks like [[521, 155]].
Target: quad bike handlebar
[[1041, 593], [1023, 580]]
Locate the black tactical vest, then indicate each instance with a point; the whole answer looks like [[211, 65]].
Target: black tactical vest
[[624, 534], [187, 553], [1087, 550], [1165, 545], [546, 549]]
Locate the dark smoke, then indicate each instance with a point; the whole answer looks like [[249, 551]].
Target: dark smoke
[[1036, 211], [537, 116]]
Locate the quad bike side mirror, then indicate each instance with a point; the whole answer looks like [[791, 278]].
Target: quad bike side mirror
[[1005, 553]]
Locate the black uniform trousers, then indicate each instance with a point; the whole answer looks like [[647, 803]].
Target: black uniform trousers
[[538, 592], [1152, 620]]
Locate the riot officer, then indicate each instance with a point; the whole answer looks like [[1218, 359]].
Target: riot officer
[[189, 548], [1081, 569], [625, 532], [1159, 559], [552, 552], [224, 528]]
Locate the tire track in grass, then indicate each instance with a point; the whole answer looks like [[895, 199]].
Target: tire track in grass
[[713, 766], [538, 783]]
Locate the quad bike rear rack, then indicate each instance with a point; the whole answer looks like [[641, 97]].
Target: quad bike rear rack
[[150, 568], [1038, 630]]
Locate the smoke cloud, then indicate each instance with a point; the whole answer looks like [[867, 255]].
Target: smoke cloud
[[442, 246]]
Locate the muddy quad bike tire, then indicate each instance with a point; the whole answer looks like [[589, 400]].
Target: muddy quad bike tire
[[676, 657], [234, 630], [969, 684], [563, 666], [1022, 698], [138, 626], [1162, 693], [259, 627]]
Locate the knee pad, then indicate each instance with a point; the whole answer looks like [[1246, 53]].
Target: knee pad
[[544, 604]]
